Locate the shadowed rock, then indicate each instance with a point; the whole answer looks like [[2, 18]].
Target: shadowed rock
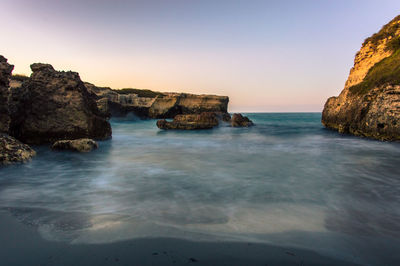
[[54, 105], [238, 120], [13, 151], [5, 74], [79, 145]]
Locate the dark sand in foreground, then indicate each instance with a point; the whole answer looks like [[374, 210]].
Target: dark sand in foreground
[[22, 245]]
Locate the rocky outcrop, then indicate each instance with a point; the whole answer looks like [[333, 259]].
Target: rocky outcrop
[[369, 105], [155, 104], [111, 103], [5, 74], [238, 120], [205, 120], [78, 145], [13, 151], [173, 104], [54, 105]]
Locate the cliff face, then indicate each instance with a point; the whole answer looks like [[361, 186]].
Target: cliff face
[[5, 74], [54, 105], [159, 105], [369, 105]]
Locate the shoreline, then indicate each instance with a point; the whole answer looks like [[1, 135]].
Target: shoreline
[[22, 245]]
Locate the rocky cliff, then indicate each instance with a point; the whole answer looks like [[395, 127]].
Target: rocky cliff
[[5, 74], [53, 105], [369, 104], [155, 104]]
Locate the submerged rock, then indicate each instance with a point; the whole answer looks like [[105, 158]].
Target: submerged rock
[[79, 145], [13, 151], [5, 74], [205, 120], [54, 105], [238, 120], [369, 105]]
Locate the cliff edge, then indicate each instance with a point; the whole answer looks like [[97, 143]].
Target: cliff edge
[[369, 104]]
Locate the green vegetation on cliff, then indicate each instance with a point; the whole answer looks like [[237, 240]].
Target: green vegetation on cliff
[[387, 31], [387, 71], [140, 93]]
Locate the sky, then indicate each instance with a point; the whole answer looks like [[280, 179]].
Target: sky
[[267, 56]]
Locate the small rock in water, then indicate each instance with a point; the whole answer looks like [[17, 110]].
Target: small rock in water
[[12, 150], [238, 120], [79, 145]]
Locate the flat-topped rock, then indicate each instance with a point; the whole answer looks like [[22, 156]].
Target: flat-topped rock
[[78, 145], [205, 120], [151, 104]]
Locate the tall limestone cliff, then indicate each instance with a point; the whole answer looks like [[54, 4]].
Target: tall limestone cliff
[[369, 104]]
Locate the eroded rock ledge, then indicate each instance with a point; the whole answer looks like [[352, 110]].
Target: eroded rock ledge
[[369, 105], [155, 104]]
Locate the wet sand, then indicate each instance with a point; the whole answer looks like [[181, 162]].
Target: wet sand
[[21, 244]]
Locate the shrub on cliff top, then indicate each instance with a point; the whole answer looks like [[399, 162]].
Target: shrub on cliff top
[[386, 71], [140, 93], [19, 77], [389, 30]]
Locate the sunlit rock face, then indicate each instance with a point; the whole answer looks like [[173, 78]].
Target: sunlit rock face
[[54, 105], [155, 104], [5, 73], [369, 105]]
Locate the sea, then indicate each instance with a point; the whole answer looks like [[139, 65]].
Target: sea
[[287, 181]]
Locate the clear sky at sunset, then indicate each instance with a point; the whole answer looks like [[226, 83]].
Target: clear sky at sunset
[[265, 55]]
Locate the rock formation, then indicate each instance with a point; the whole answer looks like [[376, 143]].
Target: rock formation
[[369, 105], [12, 150], [79, 145], [155, 104], [5, 74], [54, 105], [238, 120], [206, 120]]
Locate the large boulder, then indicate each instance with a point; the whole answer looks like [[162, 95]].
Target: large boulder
[[5, 74], [13, 151], [79, 145], [206, 120], [369, 105], [55, 105]]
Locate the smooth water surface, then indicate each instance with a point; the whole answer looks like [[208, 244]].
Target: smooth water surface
[[287, 181]]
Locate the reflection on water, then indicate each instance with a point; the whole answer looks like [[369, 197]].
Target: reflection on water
[[286, 181]]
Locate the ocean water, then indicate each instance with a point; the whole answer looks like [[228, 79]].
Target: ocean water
[[287, 181]]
